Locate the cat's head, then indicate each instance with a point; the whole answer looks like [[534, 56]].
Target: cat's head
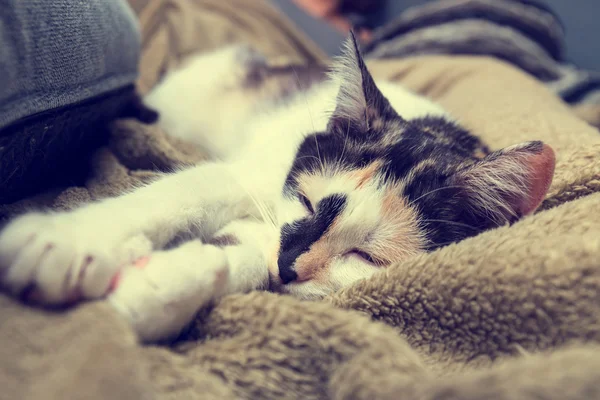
[[375, 189]]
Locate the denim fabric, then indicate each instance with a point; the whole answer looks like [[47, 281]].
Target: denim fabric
[[55, 53]]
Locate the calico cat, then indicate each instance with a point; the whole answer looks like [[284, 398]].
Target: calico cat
[[310, 190]]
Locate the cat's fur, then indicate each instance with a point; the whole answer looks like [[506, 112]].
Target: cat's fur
[[311, 190]]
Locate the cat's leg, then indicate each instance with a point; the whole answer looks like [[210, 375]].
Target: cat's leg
[[162, 295], [162, 292], [75, 254], [205, 102], [249, 245]]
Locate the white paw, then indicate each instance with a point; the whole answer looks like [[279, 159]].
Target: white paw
[[58, 258], [162, 296]]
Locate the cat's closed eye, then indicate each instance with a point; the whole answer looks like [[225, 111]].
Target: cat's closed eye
[[306, 203], [364, 256]]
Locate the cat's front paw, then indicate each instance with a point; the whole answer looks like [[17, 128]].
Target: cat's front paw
[[55, 259], [160, 294]]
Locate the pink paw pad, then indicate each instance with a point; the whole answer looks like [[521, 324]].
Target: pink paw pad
[[140, 263]]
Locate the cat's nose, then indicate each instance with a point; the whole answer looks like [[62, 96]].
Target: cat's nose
[[285, 263], [287, 275]]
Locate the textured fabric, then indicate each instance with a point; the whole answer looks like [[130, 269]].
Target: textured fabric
[[511, 314], [590, 113], [59, 52], [32, 151], [525, 33]]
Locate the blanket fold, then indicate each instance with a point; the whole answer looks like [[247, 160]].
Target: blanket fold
[[526, 34], [512, 313]]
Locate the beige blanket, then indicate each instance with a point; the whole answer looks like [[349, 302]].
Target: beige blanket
[[511, 314]]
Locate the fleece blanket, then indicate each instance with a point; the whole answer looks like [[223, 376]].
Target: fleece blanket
[[511, 314], [526, 34]]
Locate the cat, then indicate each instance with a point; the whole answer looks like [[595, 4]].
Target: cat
[[315, 184]]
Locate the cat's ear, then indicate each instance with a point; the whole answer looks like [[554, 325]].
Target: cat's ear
[[509, 183], [359, 104]]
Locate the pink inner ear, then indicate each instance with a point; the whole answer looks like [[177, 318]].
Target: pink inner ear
[[541, 170]]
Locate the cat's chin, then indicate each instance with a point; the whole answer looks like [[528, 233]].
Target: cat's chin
[[307, 290], [275, 284]]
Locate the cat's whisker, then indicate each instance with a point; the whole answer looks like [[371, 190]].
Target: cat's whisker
[[443, 221], [268, 213], [300, 158], [412, 202], [438, 245], [345, 144], [319, 155], [264, 210]]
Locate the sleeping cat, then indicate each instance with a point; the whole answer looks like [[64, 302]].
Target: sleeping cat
[[315, 184]]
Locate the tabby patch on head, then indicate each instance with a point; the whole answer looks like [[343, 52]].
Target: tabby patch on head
[[375, 189]]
